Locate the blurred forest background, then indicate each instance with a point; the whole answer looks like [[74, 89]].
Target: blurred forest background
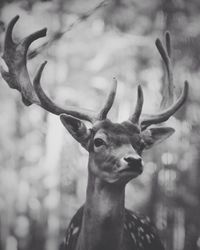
[[43, 170]]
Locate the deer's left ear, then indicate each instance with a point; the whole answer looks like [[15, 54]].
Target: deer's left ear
[[77, 129], [156, 135]]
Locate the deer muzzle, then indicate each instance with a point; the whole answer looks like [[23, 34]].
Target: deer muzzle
[[132, 163]]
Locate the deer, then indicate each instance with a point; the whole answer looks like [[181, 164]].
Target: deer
[[115, 153]]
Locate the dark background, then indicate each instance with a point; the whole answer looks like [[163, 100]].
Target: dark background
[[43, 170]]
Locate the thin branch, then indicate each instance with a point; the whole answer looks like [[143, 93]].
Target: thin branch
[[82, 17]]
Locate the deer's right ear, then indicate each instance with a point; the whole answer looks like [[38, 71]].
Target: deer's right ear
[[77, 129]]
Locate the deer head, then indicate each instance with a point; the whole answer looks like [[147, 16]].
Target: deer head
[[115, 149]]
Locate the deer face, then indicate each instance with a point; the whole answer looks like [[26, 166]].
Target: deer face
[[115, 149]]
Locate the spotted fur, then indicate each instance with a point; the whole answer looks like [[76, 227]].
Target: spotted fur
[[139, 233]]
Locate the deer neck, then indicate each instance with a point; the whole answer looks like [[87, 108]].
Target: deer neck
[[103, 216]]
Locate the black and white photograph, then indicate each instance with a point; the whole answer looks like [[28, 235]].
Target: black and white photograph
[[99, 125]]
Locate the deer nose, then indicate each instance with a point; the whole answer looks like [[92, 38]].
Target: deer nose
[[131, 160]]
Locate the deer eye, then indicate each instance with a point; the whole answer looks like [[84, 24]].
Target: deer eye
[[98, 142]]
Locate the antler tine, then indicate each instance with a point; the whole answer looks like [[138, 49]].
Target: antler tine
[[32, 37], [166, 56], [8, 36], [104, 111], [168, 43], [165, 115], [50, 106], [7, 45], [138, 108]]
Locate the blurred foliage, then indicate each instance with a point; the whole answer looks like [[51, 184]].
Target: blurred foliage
[[42, 169]]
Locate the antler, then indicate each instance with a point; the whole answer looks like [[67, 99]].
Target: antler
[[168, 97], [15, 56], [104, 111], [148, 120], [138, 108], [165, 115]]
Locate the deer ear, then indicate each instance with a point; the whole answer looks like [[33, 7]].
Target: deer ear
[[77, 129], [156, 135]]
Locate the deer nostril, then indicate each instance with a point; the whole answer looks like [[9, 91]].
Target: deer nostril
[[133, 159]]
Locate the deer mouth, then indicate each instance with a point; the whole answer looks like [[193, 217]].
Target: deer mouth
[[136, 168]]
